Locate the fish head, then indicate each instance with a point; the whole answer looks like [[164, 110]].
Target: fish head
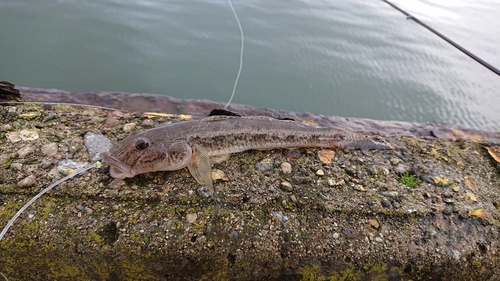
[[142, 153]]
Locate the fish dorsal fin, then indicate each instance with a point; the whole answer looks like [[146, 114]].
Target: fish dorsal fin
[[223, 112]]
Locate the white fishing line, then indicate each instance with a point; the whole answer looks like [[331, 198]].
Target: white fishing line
[[241, 54], [11, 222]]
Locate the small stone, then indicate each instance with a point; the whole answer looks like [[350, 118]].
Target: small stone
[[110, 121], [480, 213], [374, 223], [320, 173], [331, 182], [68, 166], [13, 137], [73, 148], [96, 143], [441, 180], [53, 173], [4, 158], [271, 188], [293, 198], [219, 175], [286, 186], [50, 149], [148, 123], [47, 164], [201, 239], [23, 152], [303, 170], [5, 127], [234, 234], [447, 210], [28, 135], [447, 194], [470, 196], [286, 168], [191, 217], [448, 201], [401, 168], [299, 180], [389, 193], [16, 166], [395, 161], [335, 235], [326, 156], [396, 205], [265, 165], [385, 203], [456, 189], [129, 127], [27, 182], [359, 187], [279, 215]]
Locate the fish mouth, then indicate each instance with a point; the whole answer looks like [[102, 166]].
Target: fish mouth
[[117, 169]]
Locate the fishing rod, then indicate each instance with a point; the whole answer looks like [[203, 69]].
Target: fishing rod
[[474, 57]]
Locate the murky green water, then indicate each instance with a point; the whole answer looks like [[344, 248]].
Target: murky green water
[[350, 58]]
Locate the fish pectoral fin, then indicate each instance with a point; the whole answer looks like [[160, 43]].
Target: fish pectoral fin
[[200, 168]]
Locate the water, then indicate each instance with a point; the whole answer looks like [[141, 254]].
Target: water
[[353, 58]]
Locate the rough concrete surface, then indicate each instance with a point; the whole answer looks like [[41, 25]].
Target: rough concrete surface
[[341, 215]]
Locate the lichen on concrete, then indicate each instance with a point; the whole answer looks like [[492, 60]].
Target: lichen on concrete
[[355, 221]]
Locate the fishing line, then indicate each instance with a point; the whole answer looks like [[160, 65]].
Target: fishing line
[[241, 54], [474, 57], [13, 219]]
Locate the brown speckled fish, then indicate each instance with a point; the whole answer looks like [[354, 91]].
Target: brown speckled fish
[[198, 144]]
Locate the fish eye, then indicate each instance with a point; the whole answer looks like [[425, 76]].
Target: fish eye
[[141, 144]]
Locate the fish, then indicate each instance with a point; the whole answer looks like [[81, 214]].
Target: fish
[[198, 144]]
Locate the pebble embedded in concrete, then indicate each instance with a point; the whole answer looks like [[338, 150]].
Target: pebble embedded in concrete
[[191, 217], [265, 165], [96, 143], [286, 168], [27, 182], [129, 127], [68, 166], [28, 135], [25, 151], [49, 149], [286, 186]]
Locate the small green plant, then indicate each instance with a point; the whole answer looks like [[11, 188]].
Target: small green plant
[[409, 179]]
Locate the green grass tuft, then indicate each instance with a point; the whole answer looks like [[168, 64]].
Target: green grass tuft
[[409, 179]]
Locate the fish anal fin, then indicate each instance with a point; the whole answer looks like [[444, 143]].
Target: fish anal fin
[[219, 158]]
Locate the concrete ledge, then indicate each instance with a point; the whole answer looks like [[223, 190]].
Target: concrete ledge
[[353, 221]]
